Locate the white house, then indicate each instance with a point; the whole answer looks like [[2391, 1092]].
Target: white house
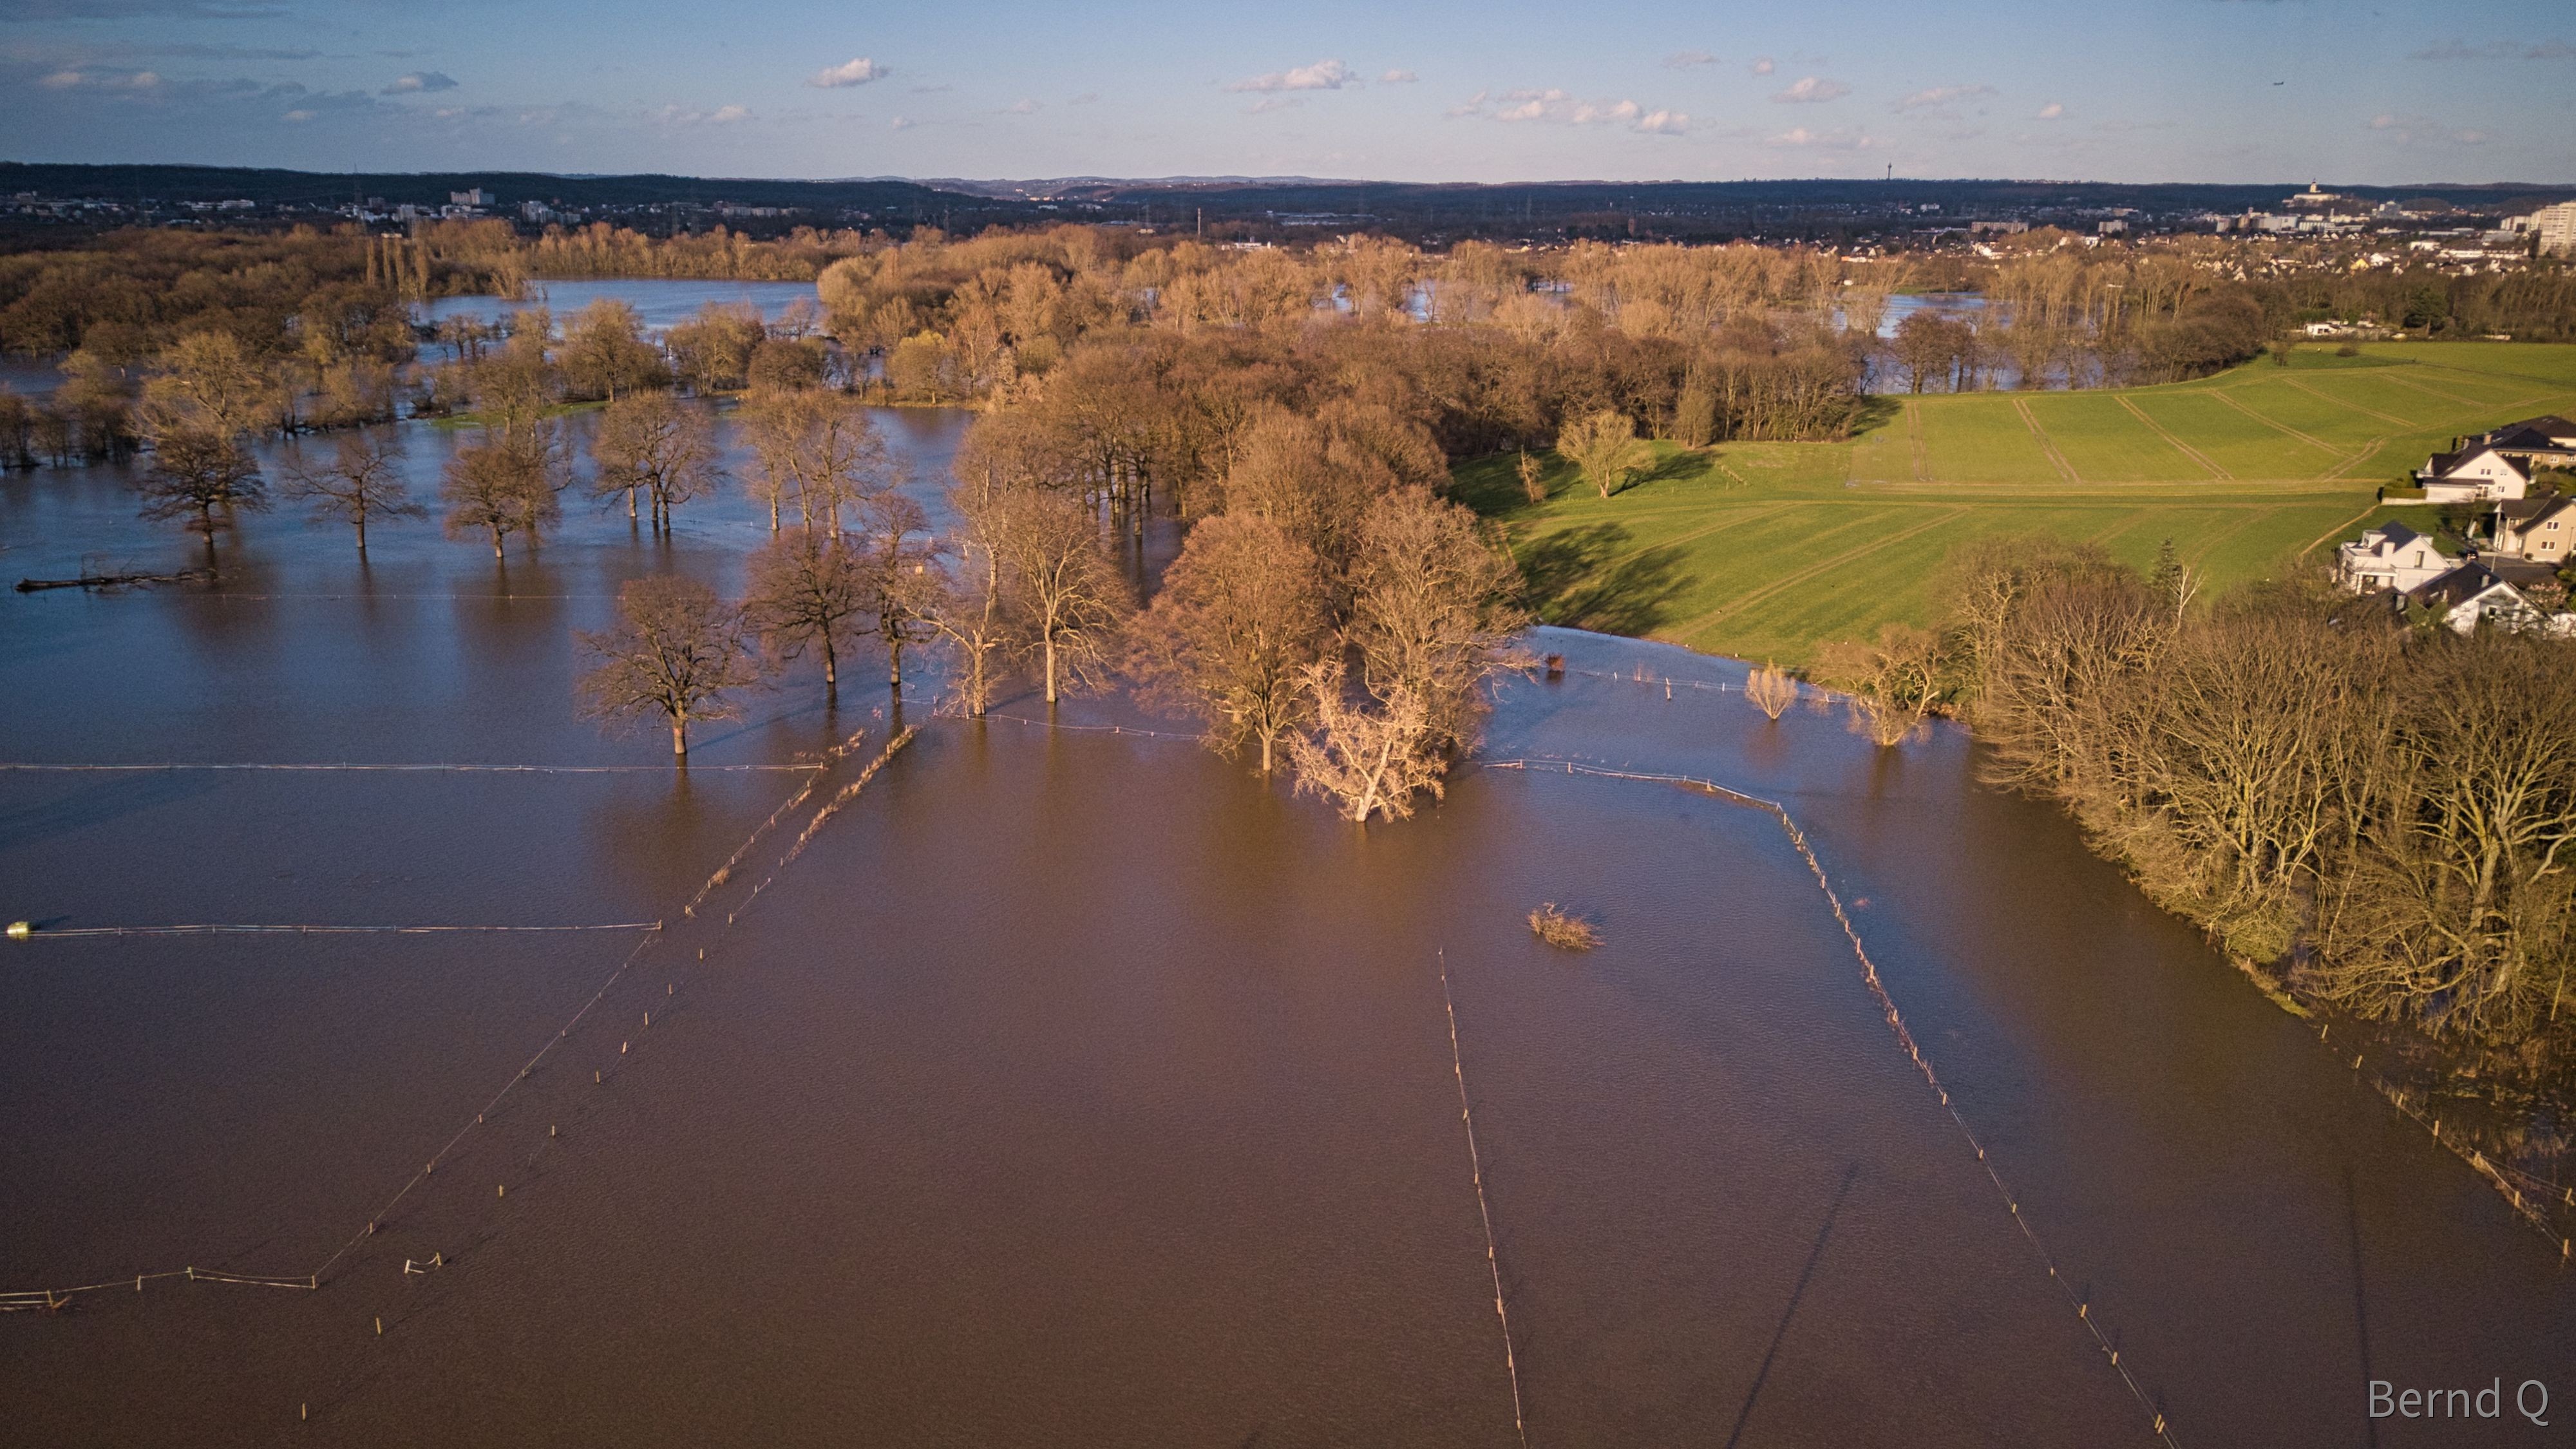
[[2472, 474], [2391, 556], [2538, 529], [2472, 594]]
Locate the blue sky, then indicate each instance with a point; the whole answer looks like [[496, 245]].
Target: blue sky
[[2164, 90]]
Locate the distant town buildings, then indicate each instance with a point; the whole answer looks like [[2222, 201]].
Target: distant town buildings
[[2552, 227]]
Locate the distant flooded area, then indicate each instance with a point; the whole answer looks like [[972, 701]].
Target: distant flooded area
[[658, 303], [1069, 1084]]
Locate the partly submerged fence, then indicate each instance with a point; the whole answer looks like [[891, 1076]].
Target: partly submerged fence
[[1905, 1041], [55, 1299]]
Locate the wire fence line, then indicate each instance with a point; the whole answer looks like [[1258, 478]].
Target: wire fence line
[[80, 932], [1484, 1212], [1904, 1039], [166, 767], [1093, 729], [56, 1299]]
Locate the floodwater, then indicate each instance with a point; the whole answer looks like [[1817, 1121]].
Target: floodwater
[[659, 303], [1075, 1086]]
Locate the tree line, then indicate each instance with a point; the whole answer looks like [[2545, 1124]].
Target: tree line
[[2380, 816], [1329, 611]]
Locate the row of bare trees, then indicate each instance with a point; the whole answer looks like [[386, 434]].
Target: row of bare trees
[[2384, 815]]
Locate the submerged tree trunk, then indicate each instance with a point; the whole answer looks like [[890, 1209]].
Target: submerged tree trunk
[[679, 737]]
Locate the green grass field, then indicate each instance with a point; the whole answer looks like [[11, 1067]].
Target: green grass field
[[1768, 550]]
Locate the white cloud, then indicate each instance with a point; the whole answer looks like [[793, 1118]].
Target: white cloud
[[684, 116], [901, 123], [1472, 106], [1801, 137], [2051, 111], [1564, 108], [854, 72], [1398, 78], [1323, 75], [1764, 66], [1942, 96], [298, 117], [1685, 59], [72, 78], [1024, 106], [421, 80], [1810, 89], [1274, 103]]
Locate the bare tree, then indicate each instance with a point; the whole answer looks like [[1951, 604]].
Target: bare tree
[[653, 444], [1069, 595], [1605, 447], [972, 612], [502, 486], [209, 383], [895, 558], [605, 354], [808, 592], [819, 448], [1895, 683], [1533, 480], [676, 654], [204, 473], [1242, 613], [360, 482], [1430, 609], [1366, 756]]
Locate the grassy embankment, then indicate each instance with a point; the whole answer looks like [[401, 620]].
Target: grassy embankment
[[1767, 550]]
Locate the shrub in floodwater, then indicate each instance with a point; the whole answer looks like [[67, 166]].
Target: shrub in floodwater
[[1551, 923], [1771, 690]]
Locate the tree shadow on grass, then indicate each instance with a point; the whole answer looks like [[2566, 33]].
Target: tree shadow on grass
[[1592, 577], [1679, 463], [1876, 410]]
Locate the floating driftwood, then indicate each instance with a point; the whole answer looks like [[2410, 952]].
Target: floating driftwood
[[114, 581]]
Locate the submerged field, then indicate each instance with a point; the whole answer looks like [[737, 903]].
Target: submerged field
[[1767, 550]]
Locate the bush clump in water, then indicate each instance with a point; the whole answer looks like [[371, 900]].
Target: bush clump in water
[[1551, 923]]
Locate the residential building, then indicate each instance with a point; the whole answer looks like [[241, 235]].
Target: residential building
[[2473, 473], [2470, 595], [2542, 442], [2391, 556], [2537, 529]]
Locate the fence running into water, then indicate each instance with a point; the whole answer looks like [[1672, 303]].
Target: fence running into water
[[54, 1299], [1904, 1040]]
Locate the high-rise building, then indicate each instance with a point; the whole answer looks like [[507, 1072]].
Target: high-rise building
[[2557, 228]]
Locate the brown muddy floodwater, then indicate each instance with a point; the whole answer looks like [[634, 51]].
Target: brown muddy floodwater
[[1076, 1087]]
